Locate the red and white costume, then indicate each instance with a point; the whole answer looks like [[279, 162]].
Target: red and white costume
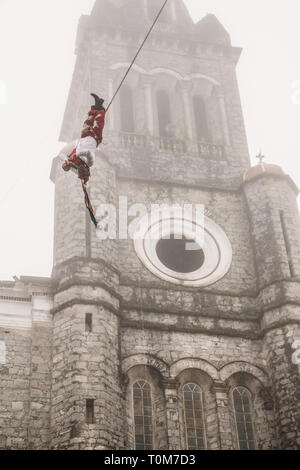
[[82, 156]]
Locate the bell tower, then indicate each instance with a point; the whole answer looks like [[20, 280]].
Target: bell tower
[[140, 325]]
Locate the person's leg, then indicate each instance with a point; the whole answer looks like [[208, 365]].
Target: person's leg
[[85, 150], [84, 173]]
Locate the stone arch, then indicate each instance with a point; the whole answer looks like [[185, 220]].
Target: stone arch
[[241, 366], [193, 363], [125, 65], [244, 375], [145, 368], [195, 76], [165, 70], [145, 360]]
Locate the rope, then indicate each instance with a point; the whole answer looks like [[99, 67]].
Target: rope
[[137, 54], [87, 199], [89, 205]]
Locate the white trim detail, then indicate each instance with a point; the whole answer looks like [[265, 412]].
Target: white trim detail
[[163, 70], [206, 233]]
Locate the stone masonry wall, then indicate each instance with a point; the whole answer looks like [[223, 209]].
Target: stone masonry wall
[[285, 383], [186, 356], [85, 366], [15, 389], [25, 388]]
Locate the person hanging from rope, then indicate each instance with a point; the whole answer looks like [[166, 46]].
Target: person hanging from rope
[[82, 157]]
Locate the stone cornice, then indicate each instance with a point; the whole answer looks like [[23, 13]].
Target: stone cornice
[[130, 306], [229, 331], [176, 38], [277, 325], [247, 294], [78, 259], [95, 303], [215, 331], [160, 286], [283, 177], [136, 179], [86, 283]]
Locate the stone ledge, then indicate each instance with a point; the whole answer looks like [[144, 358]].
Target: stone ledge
[[84, 283], [219, 315], [73, 302], [200, 186], [78, 259], [216, 330], [125, 282], [271, 176]]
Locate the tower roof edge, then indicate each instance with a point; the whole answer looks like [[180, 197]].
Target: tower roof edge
[[210, 29]]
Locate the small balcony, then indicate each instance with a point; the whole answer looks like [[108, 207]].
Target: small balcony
[[125, 140]]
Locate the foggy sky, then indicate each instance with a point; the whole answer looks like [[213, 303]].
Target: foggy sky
[[37, 40]]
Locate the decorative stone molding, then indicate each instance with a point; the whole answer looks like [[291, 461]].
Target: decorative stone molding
[[147, 360], [162, 70], [240, 366], [191, 363], [210, 237]]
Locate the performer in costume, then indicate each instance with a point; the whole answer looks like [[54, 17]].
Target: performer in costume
[[82, 157]]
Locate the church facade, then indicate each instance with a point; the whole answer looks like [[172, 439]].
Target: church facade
[[142, 343]]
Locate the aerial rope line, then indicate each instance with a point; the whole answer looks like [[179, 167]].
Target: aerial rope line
[[89, 205], [138, 52], [82, 157]]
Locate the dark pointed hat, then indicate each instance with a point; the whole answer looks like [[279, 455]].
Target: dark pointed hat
[[98, 102]]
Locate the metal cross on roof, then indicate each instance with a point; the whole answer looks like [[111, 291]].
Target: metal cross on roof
[[260, 157]]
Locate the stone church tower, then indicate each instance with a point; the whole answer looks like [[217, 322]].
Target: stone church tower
[[150, 345]]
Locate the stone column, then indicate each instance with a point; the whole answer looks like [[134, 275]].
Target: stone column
[[111, 117], [172, 413], [185, 89], [40, 385], [284, 372], [224, 118], [224, 424], [173, 10], [86, 363], [148, 82]]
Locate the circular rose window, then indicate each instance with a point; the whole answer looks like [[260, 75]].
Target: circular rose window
[[182, 250]]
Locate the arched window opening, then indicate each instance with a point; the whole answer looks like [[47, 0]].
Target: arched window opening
[[202, 130], [242, 401], [126, 110], [194, 416], [164, 113], [143, 421]]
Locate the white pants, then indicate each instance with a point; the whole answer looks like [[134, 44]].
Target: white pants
[[85, 149]]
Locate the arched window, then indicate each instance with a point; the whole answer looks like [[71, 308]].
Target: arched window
[[142, 404], [164, 113], [242, 402], [126, 110], [202, 131], [193, 416]]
